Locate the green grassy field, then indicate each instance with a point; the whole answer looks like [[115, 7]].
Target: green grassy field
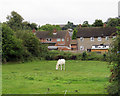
[[40, 77]]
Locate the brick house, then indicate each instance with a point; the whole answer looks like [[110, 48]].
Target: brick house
[[95, 39], [56, 40]]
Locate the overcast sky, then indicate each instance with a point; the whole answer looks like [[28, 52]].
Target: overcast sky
[[60, 11]]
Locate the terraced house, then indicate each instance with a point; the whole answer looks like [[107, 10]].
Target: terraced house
[[56, 40], [95, 39]]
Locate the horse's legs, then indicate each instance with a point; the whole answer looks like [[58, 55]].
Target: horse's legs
[[58, 66], [64, 66], [61, 66]]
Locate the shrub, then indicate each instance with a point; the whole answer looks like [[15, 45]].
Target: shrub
[[84, 56], [11, 46]]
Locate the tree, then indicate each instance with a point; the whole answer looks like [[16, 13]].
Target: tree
[[33, 26], [29, 26], [31, 45], [11, 46], [74, 34], [26, 25], [113, 22], [15, 21], [69, 25], [114, 61], [85, 24], [98, 23], [49, 27]]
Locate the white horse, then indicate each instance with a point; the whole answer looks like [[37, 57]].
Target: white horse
[[59, 64]]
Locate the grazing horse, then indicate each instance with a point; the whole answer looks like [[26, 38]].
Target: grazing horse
[[59, 64]]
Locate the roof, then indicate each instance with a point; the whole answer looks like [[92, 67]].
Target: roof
[[62, 25], [48, 34], [96, 31]]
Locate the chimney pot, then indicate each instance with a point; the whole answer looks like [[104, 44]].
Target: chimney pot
[[54, 32], [80, 25], [33, 31], [104, 25]]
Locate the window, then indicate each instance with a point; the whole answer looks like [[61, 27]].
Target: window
[[62, 39], [99, 38], [49, 39], [96, 46], [81, 47], [114, 37], [106, 38], [92, 39], [81, 38], [58, 39]]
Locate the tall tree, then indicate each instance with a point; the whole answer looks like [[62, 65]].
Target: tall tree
[[113, 22], [74, 34], [33, 26], [98, 23], [85, 24], [11, 46], [15, 21], [69, 25]]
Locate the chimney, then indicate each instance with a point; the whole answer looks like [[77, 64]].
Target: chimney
[[104, 25], [54, 32], [80, 25], [33, 31]]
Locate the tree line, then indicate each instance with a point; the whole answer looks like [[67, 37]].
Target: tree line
[[18, 41]]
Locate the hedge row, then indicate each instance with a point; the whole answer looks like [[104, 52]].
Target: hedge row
[[55, 55]]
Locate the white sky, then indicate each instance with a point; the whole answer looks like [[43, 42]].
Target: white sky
[[60, 11]]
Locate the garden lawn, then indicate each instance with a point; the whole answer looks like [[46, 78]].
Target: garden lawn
[[41, 77]]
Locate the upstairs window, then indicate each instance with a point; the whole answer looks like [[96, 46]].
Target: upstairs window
[[49, 39], [58, 39], [92, 39], [106, 38], [99, 38], [63, 39], [81, 47], [81, 38], [114, 37]]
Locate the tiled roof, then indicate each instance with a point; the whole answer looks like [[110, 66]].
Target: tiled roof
[[47, 34], [96, 32]]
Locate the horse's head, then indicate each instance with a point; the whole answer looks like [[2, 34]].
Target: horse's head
[[56, 67]]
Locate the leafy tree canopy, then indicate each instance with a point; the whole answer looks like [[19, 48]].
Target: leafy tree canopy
[[74, 34], [85, 24], [98, 23], [15, 21], [11, 46], [49, 27], [69, 25], [113, 22]]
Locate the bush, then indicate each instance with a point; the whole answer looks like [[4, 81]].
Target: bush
[[11, 46], [84, 56], [55, 55]]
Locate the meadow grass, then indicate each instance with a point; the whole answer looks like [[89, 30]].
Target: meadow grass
[[40, 77]]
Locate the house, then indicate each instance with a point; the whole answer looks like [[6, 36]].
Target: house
[[56, 40], [100, 48], [95, 39], [74, 45]]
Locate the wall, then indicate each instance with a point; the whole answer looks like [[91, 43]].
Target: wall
[[58, 43], [87, 43]]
